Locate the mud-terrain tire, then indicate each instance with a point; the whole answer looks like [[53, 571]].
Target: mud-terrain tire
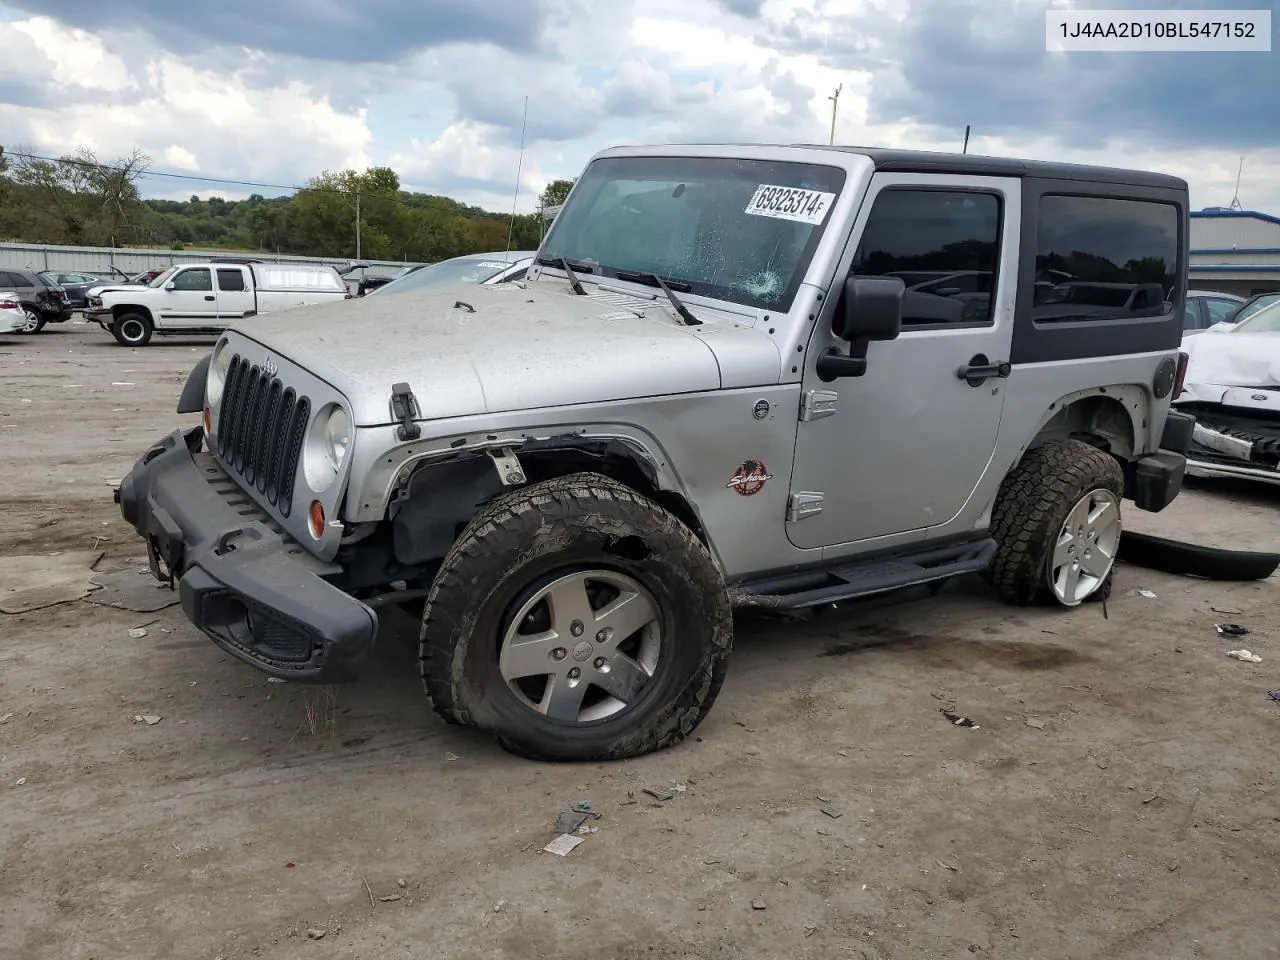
[[132, 330], [1029, 522], [523, 567], [35, 320]]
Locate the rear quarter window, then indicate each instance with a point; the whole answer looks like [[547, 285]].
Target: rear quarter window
[[1101, 258]]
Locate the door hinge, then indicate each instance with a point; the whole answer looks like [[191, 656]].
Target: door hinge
[[802, 505], [818, 404]]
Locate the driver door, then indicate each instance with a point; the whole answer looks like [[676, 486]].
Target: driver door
[[189, 299], [893, 453]]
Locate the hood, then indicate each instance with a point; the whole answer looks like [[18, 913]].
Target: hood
[[1232, 359], [521, 348]]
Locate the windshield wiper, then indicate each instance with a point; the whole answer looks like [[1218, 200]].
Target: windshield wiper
[[653, 280], [568, 266]]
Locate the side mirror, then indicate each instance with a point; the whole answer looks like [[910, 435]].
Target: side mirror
[[171, 285], [870, 309]]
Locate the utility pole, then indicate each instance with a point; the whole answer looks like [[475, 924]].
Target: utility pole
[[357, 219], [835, 102]]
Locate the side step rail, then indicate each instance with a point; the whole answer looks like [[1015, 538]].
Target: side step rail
[[811, 588]]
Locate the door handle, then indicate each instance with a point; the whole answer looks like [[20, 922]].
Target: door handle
[[979, 370], [209, 297]]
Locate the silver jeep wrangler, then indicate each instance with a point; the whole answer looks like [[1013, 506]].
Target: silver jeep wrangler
[[775, 376]]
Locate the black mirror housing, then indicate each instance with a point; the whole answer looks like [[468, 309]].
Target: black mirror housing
[[871, 309]]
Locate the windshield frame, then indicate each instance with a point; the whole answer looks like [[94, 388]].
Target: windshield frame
[[757, 169]]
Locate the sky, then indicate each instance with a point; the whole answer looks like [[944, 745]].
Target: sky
[[276, 91]]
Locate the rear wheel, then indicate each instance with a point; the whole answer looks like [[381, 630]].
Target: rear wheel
[[1057, 525], [132, 330], [577, 620], [35, 321]]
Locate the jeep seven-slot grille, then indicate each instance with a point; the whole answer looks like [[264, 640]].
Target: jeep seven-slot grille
[[260, 431]]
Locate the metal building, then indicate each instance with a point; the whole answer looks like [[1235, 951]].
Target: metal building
[[1235, 251]]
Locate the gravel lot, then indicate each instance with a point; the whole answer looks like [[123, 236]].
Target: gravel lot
[[1118, 800]]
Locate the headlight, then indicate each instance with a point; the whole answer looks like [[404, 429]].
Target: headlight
[[337, 435], [327, 445], [217, 378]]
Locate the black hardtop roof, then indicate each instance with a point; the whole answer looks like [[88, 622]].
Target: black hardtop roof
[[926, 161]]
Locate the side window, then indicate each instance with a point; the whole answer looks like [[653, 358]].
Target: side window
[[945, 245], [8, 281], [1218, 310], [230, 279], [1105, 259], [196, 278]]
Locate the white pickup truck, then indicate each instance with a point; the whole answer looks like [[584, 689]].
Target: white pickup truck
[[209, 297]]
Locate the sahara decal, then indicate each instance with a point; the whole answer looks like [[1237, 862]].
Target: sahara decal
[[749, 479]]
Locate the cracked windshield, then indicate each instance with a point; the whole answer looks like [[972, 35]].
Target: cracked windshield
[[736, 230]]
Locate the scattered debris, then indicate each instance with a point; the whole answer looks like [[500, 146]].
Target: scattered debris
[[33, 582], [497, 907], [1035, 723], [150, 719], [947, 866], [958, 720], [1233, 613], [835, 813], [759, 905], [1231, 630], [586, 831], [135, 590], [316, 933], [1144, 592], [1273, 694], [450, 756], [659, 793], [20, 781], [562, 845], [276, 680], [1154, 796], [137, 633], [6, 718], [810, 929], [390, 898], [402, 883], [570, 821], [367, 889], [1244, 655]]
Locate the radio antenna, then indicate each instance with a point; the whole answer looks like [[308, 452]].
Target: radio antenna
[[965, 148], [1235, 197], [524, 124]]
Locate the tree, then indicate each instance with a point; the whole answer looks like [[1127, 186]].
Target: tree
[[555, 193], [88, 201]]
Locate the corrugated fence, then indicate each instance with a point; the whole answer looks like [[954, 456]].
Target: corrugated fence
[[131, 260]]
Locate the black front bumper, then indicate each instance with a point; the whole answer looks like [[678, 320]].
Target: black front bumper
[[251, 589]]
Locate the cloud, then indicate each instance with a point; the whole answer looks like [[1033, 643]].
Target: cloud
[[278, 92], [374, 30]]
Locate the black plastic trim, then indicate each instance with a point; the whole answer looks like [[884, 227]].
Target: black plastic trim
[[1153, 482], [251, 590], [1177, 433], [192, 397]]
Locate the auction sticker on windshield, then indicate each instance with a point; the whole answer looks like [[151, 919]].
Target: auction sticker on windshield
[[790, 203]]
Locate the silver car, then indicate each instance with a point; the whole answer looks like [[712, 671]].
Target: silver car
[[712, 389]]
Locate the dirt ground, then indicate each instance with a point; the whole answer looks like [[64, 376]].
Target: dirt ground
[[1118, 799]]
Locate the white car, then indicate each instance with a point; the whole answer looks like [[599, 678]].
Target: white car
[[12, 317], [1232, 387], [486, 268]]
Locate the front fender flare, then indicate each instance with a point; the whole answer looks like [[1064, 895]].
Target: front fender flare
[[192, 397]]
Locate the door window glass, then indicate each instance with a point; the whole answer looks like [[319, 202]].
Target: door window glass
[[944, 246], [194, 279]]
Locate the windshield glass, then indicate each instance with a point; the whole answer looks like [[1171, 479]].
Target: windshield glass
[[161, 278], [1254, 307], [1264, 319], [457, 270], [736, 230]]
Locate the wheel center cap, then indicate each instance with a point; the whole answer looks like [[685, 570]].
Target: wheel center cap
[[582, 651]]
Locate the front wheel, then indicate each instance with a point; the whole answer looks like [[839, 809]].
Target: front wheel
[[35, 321], [132, 330], [577, 621], [1057, 525]]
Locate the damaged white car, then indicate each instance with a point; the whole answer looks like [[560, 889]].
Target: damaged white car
[[1232, 387]]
